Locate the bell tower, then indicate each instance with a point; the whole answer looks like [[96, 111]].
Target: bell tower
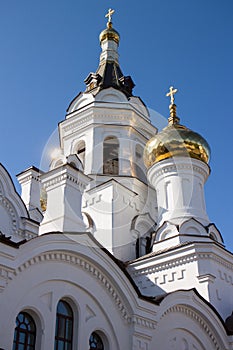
[[106, 127]]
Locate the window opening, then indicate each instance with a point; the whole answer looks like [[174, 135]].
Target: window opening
[[25, 332], [111, 156], [64, 327], [81, 150], [95, 342]]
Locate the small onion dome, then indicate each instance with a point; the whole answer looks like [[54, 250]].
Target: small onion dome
[[176, 140], [110, 34]]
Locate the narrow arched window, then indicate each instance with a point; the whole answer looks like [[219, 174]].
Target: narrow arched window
[[25, 332], [81, 151], [111, 156], [95, 342], [64, 327]]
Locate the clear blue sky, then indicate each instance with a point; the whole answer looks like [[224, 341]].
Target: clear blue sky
[[48, 47]]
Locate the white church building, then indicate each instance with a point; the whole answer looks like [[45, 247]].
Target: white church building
[[112, 247]]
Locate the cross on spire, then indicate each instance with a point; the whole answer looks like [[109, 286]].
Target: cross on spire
[[171, 93], [109, 15]]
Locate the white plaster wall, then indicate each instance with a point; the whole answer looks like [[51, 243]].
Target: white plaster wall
[[113, 206], [53, 267], [179, 183], [186, 323]]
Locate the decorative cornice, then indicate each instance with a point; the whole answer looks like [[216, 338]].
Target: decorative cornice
[[196, 317], [166, 265], [176, 166], [64, 176], [83, 121], [29, 177], [87, 266], [143, 322], [9, 208], [177, 262]]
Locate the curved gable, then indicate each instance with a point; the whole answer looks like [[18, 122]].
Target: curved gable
[[185, 318], [12, 208], [111, 95], [81, 100]]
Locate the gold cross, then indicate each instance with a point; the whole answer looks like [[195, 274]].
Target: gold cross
[[109, 15], [171, 94]]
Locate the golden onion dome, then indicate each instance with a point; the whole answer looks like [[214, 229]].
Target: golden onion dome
[[110, 34], [175, 140]]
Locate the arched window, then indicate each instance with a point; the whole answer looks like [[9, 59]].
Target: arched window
[[25, 332], [95, 342], [81, 150], [64, 327], [111, 156]]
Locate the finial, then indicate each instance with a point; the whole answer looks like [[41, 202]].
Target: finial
[[173, 119], [109, 16], [171, 93]]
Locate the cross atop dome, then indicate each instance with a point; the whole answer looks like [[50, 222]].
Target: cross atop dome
[[173, 119], [171, 93], [109, 73], [109, 15]]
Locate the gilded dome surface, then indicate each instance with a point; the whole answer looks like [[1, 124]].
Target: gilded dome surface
[[176, 140], [110, 34]]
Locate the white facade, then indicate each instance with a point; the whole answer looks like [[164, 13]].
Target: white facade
[[132, 253]]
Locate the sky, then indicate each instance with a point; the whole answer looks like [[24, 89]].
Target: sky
[[49, 47]]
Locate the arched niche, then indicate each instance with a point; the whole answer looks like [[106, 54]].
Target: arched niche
[[142, 228], [111, 155], [80, 150]]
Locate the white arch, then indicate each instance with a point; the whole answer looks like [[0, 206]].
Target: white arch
[[185, 312]]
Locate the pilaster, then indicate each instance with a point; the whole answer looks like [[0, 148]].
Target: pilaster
[[64, 187]]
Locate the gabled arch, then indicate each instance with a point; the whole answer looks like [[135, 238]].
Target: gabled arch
[[186, 315], [59, 161], [214, 233], [192, 227], [8, 191], [167, 230], [80, 101], [12, 208], [111, 95], [74, 161], [143, 227]]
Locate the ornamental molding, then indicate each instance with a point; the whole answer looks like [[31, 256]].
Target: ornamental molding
[[6, 204], [84, 120], [93, 200], [30, 177], [85, 265], [5, 276], [166, 265], [138, 203], [143, 322], [57, 179], [176, 167], [173, 263], [223, 262], [196, 317]]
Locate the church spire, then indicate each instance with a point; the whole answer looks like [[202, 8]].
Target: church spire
[[109, 73], [173, 119], [109, 41]]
